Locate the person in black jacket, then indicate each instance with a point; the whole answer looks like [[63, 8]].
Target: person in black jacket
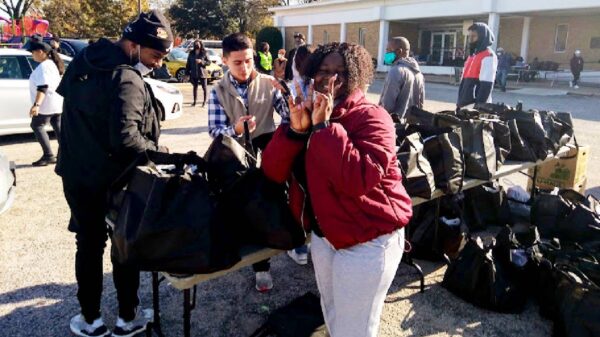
[[110, 117], [196, 69], [299, 40], [576, 68]]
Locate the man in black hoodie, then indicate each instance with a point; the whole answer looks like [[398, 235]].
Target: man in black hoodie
[[576, 68], [110, 117], [479, 73], [404, 85]]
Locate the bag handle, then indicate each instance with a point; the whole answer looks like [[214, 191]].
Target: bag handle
[[564, 269], [247, 140]]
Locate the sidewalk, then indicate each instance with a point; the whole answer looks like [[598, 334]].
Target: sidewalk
[[585, 89]]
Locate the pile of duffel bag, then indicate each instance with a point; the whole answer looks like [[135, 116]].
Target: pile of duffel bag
[[438, 150], [554, 259], [183, 214]]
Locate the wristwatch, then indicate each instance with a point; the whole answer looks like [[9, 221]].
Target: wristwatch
[[36, 104], [320, 126]]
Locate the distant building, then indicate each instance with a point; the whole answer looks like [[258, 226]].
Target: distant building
[[550, 30]]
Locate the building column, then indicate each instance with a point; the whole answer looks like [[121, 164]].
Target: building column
[[310, 35], [384, 32], [525, 37], [494, 23], [282, 29], [343, 31]]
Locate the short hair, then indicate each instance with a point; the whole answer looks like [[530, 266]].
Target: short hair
[[400, 42], [357, 63], [236, 42], [56, 38], [263, 45]]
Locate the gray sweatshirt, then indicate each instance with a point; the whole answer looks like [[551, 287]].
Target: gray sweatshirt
[[404, 87]]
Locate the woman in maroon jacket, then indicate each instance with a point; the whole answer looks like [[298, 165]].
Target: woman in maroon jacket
[[338, 154]]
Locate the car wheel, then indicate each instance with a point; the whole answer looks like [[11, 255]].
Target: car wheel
[[180, 75]]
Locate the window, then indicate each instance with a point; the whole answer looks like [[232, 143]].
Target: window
[[362, 35], [560, 41], [10, 68], [595, 43], [325, 37]]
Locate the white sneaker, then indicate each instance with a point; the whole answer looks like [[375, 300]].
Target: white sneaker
[[576, 87], [264, 281], [570, 84], [138, 324], [299, 258], [79, 327]]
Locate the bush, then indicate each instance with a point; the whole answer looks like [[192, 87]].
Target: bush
[[272, 36]]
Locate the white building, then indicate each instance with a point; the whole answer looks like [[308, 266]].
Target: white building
[[549, 30]]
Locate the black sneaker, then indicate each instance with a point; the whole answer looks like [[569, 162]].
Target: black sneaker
[[44, 161], [135, 326], [80, 327]]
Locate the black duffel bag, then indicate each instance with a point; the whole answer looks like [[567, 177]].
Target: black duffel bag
[[417, 175], [165, 220], [259, 211], [568, 216], [479, 150], [477, 278], [486, 205], [255, 206], [528, 136], [227, 160], [444, 151], [558, 127]]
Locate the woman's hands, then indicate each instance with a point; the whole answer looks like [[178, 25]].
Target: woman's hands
[[323, 105]]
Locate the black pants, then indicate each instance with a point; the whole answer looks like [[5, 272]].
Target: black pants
[[37, 125], [576, 78], [260, 143], [88, 209], [195, 82]]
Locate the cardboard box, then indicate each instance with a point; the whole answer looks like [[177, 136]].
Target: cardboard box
[[568, 172]]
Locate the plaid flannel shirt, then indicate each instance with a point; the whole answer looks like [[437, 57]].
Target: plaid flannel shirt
[[219, 123]]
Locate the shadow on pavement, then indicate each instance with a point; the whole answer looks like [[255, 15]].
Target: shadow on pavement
[[184, 131]]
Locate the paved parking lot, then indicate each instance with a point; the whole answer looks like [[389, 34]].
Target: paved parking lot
[[37, 281]]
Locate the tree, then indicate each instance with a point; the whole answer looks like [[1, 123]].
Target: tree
[[205, 17], [16, 9], [90, 18], [216, 18]]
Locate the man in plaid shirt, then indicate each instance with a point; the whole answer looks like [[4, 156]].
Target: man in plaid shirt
[[245, 96], [238, 55]]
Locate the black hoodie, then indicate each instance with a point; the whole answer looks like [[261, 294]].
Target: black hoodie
[[479, 72], [109, 116]]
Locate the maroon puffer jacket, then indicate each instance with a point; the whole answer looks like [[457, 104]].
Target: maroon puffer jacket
[[353, 177]]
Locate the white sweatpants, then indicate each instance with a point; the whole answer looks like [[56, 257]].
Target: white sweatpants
[[353, 282]]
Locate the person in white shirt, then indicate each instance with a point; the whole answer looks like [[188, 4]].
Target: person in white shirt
[[46, 103]]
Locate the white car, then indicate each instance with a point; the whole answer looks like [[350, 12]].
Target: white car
[[15, 67]]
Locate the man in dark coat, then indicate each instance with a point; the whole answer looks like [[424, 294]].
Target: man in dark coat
[[110, 117], [576, 68], [299, 40]]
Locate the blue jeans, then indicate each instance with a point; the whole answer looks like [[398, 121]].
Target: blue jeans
[[502, 75]]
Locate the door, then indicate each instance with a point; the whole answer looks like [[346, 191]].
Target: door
[[14, 94], [443, 47], [437, 42]]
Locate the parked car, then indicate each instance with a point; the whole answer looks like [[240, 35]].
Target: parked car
[[177, 59], [68, 47], [15, 67], [8, 183]]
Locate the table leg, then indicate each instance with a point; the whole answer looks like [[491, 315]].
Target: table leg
[[155, 326], [187, 308], [409, 260], [533, 183]]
